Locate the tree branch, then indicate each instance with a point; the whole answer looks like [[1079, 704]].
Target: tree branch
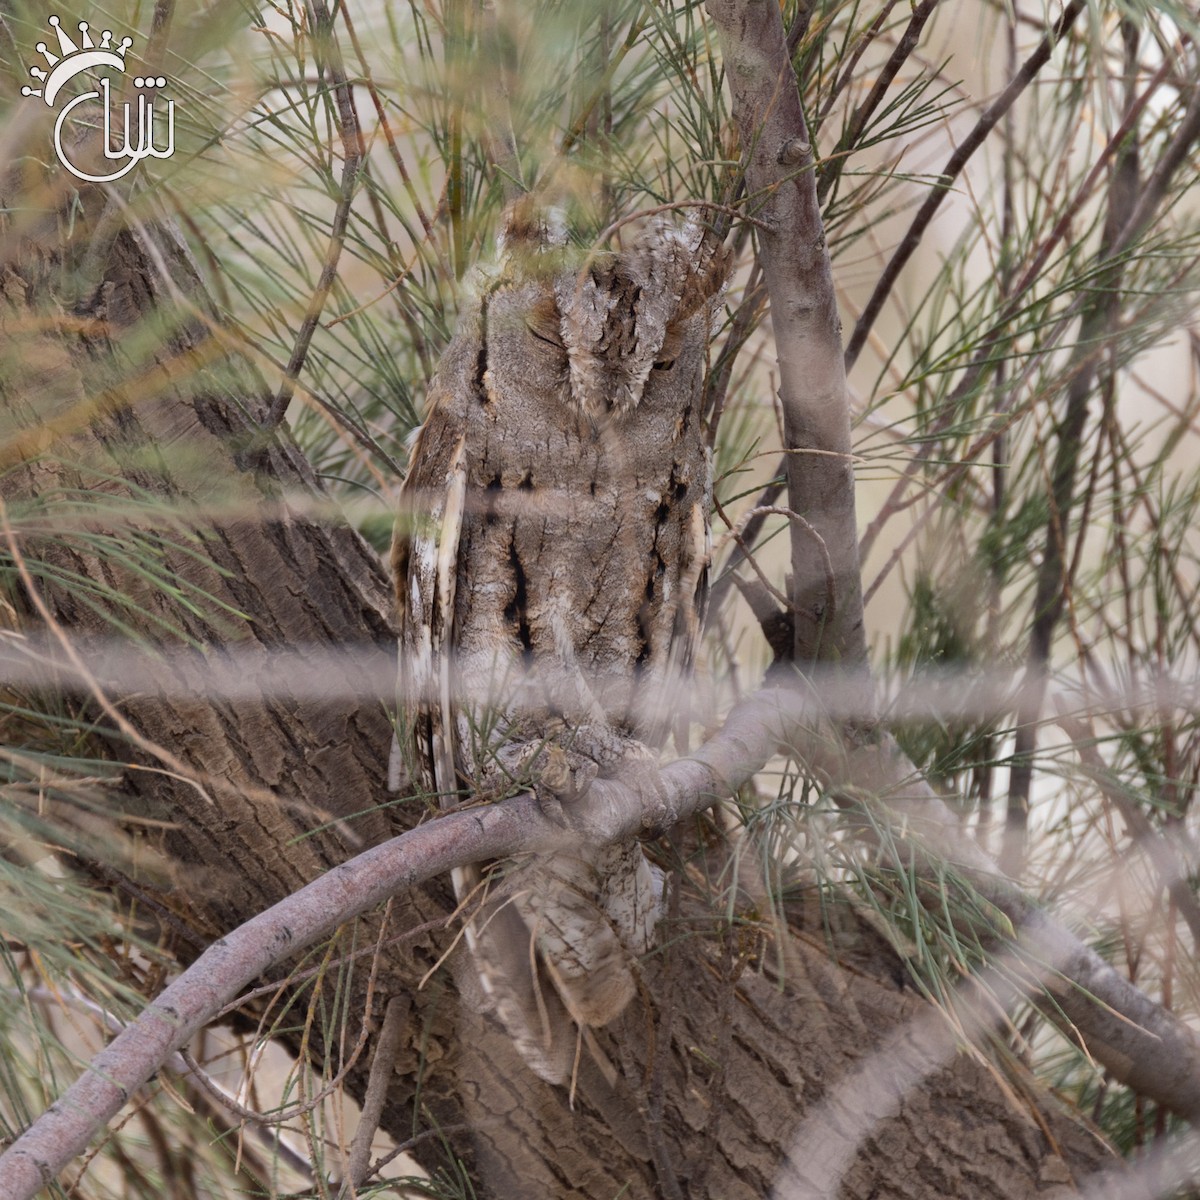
[[953, 168], [518, 825], [795, 264]]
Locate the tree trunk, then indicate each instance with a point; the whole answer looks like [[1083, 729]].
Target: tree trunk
[[724, 1060]]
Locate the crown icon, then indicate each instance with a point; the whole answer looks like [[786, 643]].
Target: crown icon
[[72, 59]]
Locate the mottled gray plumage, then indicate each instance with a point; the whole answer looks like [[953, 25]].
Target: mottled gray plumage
[[552, 556]]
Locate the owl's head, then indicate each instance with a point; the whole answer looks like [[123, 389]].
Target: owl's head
[[620, 321]]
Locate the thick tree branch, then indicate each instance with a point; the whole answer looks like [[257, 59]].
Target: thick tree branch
[[314, 912], [199, 994], [804, 317]]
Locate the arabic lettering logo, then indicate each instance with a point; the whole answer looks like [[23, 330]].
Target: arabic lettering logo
[[135, 141]]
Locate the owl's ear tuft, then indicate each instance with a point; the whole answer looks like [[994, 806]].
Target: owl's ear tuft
[[687, 264], [530, 226]]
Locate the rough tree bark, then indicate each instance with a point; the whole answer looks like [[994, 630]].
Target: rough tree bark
[[719, 1060]]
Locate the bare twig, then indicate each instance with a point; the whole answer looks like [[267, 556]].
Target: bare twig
[[641, 214], [950, 172], [1167, 856], [735, 531], [160, 32], [985, 356], [832, 171], [442, 1132], [1130, 209], [387, 1046], [745, 320]]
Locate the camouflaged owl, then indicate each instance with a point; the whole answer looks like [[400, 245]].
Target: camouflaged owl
[[550, 565]]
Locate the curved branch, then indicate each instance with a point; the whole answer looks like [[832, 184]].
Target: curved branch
[[517, 825]]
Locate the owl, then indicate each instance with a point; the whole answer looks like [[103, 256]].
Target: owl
[[550, 563]]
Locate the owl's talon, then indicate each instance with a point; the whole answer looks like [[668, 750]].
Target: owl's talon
[[554, 771], [560, 778], [582, 777]]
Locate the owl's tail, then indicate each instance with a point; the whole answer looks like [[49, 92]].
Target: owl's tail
[[557, 957]]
